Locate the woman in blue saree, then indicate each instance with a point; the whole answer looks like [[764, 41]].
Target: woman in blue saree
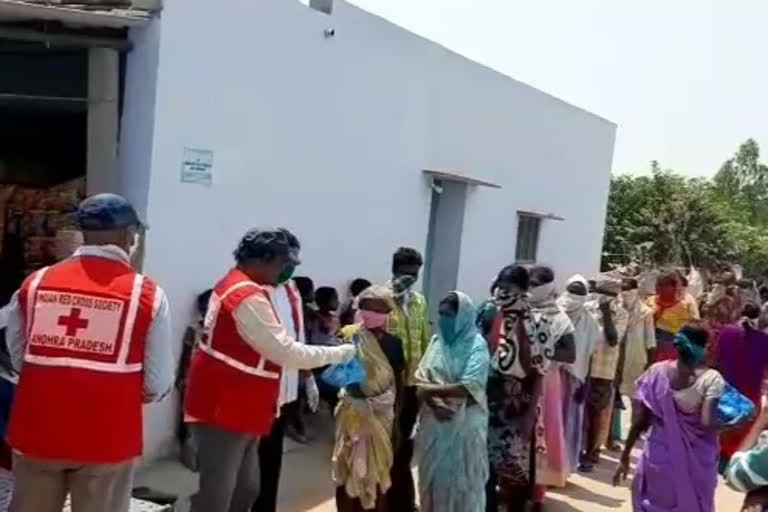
[[452, 440]]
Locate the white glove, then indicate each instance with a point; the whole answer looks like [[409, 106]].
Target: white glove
[[346, 353], [313, 394]]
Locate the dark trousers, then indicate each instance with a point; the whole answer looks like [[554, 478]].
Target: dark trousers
[[402, 494], [271, 463]]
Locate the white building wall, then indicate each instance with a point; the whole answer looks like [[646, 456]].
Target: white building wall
[[328, 137]]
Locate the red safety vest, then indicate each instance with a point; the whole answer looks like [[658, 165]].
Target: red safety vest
[[231, 386], [80, 393]]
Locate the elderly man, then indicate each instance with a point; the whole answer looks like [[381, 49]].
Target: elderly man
[[91, 339], [234, 381], [601, 386]]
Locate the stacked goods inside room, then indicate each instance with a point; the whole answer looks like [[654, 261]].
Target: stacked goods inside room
[[43, 154]]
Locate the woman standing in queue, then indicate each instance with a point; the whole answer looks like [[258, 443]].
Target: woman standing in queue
[[363, 450], [523, 343], [452, 439]]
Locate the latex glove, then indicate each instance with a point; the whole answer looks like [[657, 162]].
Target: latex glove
[[313, 394], [346, 353]]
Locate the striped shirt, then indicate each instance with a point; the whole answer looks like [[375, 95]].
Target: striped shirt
[[748, 470]]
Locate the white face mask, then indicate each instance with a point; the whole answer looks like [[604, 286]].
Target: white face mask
[[572, 301], [542, 293]]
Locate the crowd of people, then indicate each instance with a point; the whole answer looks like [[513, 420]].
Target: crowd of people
[[495, 402]]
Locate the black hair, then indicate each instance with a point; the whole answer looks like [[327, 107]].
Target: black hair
[[324, 296], [406, 256], [358, 285], [306, 287], [202, 301], [265, 245], [697, 334], [542, 274], [668, 278], [751, 311], [745, 284], [513, 274]]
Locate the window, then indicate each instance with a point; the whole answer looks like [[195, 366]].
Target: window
[[528, 227]]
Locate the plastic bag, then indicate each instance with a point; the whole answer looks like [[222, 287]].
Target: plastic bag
[[733, 407], [344, 374]]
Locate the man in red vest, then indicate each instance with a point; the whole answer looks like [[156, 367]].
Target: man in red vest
[[234, 378], [91, 339]]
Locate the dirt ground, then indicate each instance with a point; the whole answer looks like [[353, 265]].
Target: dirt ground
[[306, 481], [306, 484]]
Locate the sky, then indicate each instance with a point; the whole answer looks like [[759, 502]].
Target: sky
[[686, 81]]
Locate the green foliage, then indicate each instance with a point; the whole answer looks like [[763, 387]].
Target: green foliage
[[668, 219]]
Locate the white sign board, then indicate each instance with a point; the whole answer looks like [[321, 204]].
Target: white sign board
[[197, 166]]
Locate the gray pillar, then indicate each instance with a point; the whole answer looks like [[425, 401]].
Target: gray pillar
[[103, 92]]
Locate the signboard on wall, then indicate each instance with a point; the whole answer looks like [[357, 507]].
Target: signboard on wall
[[197, 166]]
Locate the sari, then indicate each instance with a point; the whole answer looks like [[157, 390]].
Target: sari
[[552, 463], [453, 455], [512, 449], [363, 451], [742, 358], [676, 445]]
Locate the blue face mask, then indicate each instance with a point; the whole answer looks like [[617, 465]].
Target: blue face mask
[[447, 326]]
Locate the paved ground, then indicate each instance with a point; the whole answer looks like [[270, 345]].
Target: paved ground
[[307, 487]]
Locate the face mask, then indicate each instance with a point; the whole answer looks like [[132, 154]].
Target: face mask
[[629, 297], [372, 319], [509, 301], [286, 274], [447, 325], [571, 301], [542, 293], [690, 353], [667, 293], [402, 284]]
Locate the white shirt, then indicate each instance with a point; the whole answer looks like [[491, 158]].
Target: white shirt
[[263, 332], [289, 383], [587, 334]]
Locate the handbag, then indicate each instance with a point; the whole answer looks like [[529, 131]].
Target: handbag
[[733, 407], [344, 374]]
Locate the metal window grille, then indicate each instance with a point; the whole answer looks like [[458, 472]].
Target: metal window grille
[[528, 227]]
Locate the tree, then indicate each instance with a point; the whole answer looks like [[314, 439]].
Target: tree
[[668, 219]]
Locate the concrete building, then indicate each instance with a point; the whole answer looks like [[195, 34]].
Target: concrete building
[[355, 134]]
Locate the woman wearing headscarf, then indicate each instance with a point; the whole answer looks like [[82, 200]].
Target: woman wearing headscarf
[[675, 404], [670, 313], [552, 465], [363, 450], [452, 440], [586, 335], [514, 388]]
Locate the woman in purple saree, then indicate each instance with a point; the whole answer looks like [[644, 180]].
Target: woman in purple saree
[[675, 403]]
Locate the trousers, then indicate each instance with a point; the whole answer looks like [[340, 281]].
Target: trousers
[[43, 485], [229, 470]]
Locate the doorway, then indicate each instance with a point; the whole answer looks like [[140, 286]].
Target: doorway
[[446, 223]]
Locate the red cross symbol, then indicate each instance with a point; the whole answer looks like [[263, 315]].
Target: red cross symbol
[[73, 322]]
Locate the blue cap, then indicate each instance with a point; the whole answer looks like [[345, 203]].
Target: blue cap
[[106, 212]]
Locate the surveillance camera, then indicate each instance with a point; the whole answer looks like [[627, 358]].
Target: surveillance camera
[[330, 32]]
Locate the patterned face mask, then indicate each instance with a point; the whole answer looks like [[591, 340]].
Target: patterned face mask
[[403, 284]]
